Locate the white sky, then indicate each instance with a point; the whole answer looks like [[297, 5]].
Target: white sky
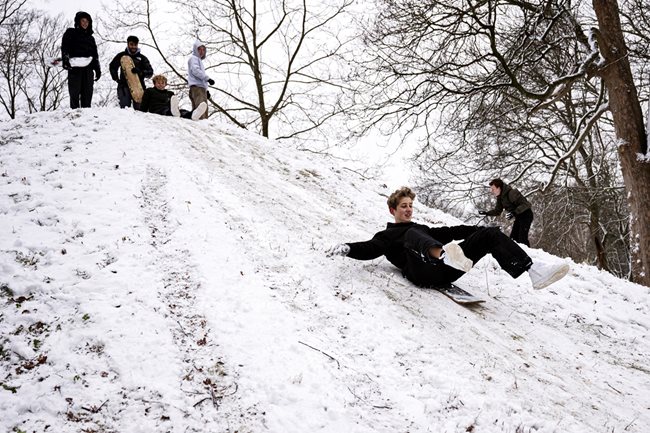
[[69, 7]]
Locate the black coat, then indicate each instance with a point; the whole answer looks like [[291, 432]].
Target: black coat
[[390, 242], [78, 42], [139, 61], [156, 101]]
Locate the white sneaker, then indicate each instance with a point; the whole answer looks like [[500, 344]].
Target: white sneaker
[[544, 274], [454, 257], [199, 111], [173, 106]]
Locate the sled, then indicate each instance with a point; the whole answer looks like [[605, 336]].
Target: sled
[[133, 80], [459, 296]]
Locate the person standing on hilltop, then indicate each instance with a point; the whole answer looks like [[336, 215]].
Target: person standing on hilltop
[[79, 57], [197, 79], [141, 67]]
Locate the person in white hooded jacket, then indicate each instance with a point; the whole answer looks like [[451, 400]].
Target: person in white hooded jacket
[[197, 78]]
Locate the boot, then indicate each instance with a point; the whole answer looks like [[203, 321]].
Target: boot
[[173, 106], [199, 110], [544, 274]]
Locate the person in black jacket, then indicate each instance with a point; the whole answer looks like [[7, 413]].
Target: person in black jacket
[[428, 257], [142, 67], [516, 206], [79, 56], [160, 101]]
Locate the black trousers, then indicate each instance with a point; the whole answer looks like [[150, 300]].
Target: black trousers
[[521, 227], [425, 271], [80, 87]]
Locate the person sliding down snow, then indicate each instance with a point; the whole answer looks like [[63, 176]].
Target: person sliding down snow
[[428, 258], [160, 101]]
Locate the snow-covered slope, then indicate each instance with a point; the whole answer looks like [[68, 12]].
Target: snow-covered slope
[[163, 275]]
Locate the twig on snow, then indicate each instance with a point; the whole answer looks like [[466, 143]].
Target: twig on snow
[[613, 388], [326, 354], [215, 398], [183, 329], [366, 401], [627, 427], [201, 401], [94, 409]]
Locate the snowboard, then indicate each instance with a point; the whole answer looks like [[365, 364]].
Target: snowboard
[[135, 86], [460, 296]]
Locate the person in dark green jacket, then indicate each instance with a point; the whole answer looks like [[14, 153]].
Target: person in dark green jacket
[[515, 205]]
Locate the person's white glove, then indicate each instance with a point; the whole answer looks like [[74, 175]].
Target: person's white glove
[[338, 250]]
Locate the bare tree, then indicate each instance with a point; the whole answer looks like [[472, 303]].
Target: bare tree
[[565, 219], [15, 44], [274, 50], [628, 118], [635, 16], [45, 88], [8, 8], [30, 39], [526, 87]]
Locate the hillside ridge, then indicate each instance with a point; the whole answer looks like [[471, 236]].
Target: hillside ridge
[[160, 274]]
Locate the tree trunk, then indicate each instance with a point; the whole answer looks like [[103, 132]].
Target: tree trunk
[[601, 255], [632, 139]]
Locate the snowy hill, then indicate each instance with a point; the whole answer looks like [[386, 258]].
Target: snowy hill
[[163, 275]]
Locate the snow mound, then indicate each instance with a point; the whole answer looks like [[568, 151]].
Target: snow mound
[[163, 275]]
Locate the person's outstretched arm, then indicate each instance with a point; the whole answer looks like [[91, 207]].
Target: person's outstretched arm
[[367, 250], [497, 209]]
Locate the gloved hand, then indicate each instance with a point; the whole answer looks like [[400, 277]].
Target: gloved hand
[[482, 212], [66, 63], [136, 70], [211, 81], [338, 250], [510, 215], [208, 94], [98, 74]]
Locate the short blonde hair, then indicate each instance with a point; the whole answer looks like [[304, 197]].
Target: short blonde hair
[[398, 195], [157, 78]]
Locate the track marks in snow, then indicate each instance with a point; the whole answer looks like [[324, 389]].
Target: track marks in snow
[[208, 382]]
